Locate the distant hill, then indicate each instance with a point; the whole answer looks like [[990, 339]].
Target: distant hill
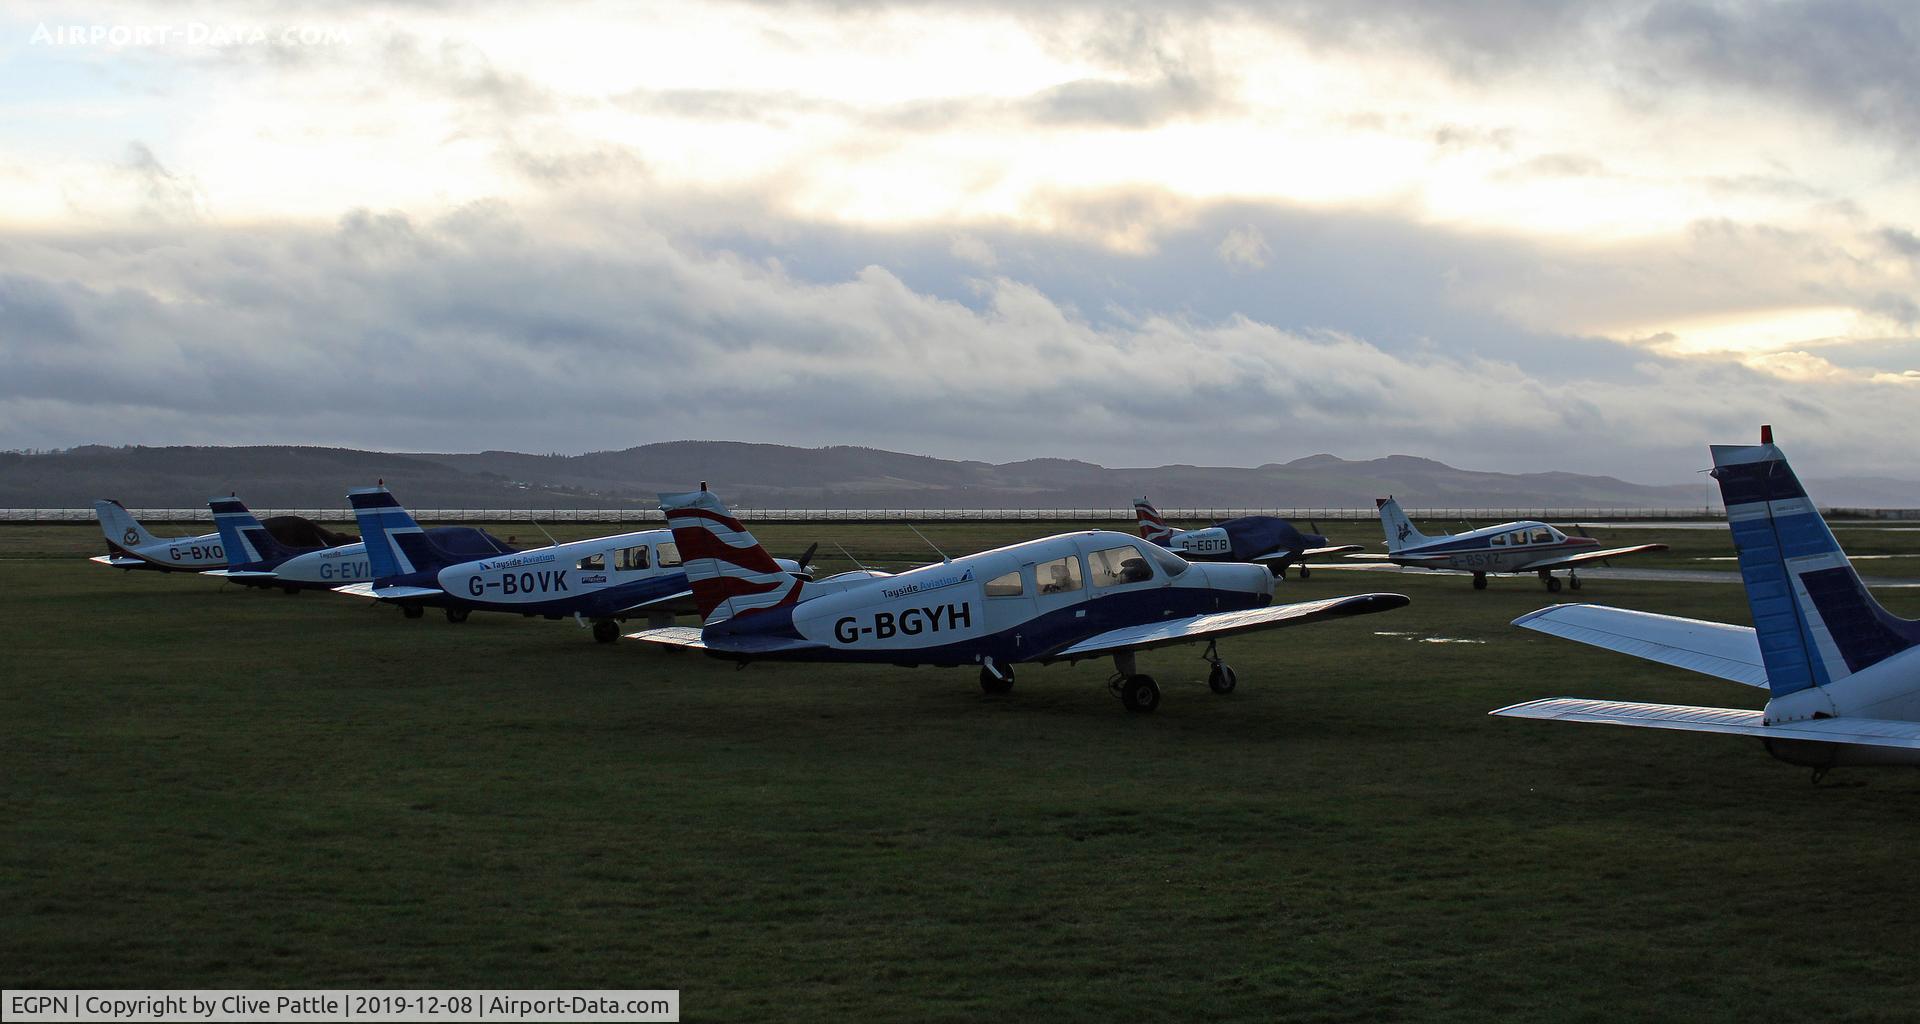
[[779, 476]]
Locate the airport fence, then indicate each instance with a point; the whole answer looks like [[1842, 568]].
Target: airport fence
[[857, 515]]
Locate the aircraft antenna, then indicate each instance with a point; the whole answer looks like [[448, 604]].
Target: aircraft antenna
[[930, 543], [542, 529], [850, 558]]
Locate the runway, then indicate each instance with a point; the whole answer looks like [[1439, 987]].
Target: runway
[[1645, 575]]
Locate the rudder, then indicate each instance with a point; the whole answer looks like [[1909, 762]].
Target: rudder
[[727, 569], [1152, 526], [1399, 529], [119, 526]]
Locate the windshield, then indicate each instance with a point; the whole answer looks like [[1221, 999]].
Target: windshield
[[1170, 563]]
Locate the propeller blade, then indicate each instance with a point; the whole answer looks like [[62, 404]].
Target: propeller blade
[[806, 557]]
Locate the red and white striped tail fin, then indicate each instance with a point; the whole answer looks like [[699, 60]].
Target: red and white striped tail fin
[[1152, 527], [729, 572]]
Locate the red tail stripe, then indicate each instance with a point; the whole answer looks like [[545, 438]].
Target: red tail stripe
[[701, 513], [696, 542]]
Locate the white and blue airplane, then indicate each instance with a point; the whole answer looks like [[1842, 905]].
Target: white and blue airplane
[[1842, 674], [1062, 598], [309, 556], [1268, 540], [1526, 546], [130, 546], [603, 579]]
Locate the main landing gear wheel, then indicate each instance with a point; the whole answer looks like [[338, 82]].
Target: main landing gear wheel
[[1305, 573], [1222, 679], [606, 631], [412, 611], [990, 683], [1573, 581], [458, 614], [1140, 694], [1479, 581], [1553, 584]]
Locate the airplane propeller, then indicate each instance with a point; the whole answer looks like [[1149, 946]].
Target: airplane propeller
[[805, 560]]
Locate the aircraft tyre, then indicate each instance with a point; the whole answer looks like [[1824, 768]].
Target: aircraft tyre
[[990, 683], [1479, 581], [412, 611], [1573, 581], [1305, 573], [1140, 694], [458, 614], [605, 631], [1222, 679], [1553, 584]]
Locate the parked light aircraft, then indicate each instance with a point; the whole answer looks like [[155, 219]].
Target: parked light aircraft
[[1519, 547], [1062, 598], [1267, 540], [602, 579], [130, 546], [296, 554], [1842, 673]]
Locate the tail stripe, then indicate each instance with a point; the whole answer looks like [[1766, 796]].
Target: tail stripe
[[729, 572]]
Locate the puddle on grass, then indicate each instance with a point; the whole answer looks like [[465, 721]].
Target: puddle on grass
[[1426, 639]]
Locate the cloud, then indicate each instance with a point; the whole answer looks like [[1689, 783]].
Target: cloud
[[1245, 248], [476, 331]]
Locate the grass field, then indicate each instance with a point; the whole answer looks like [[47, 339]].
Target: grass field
[[207, 786]]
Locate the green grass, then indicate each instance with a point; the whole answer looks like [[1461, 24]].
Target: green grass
[[206, 786]]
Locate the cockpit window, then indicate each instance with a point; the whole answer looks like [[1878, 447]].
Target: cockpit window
[[629, 559], [1542, 535], [1112, 567]]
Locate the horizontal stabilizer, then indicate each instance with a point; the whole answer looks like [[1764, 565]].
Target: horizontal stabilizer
[[379, 593], [1710, 648], [1217, 624], [1586, 557], [745, 645], [118, 561], [1870, 732]]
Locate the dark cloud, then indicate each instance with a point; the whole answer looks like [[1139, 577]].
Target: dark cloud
[[599, 328]]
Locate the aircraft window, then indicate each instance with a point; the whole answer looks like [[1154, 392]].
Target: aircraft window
[[627, 559], [1170, 563], [1541, 536], [1499, 541], [1005, 586], [669, 554], [1518, 536], [1114, 566], [1058, 576], [595, 563]]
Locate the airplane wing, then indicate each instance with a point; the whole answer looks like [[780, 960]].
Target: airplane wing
[[388, 593], [1402, 559], [1872, 732], [659, 602], [1713, 648], [1216, 624], [118, 561], [689, 638], [1571, 561], [239, 574], [1286, 556]]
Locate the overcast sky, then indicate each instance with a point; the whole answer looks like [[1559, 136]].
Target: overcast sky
[[1508, 235]]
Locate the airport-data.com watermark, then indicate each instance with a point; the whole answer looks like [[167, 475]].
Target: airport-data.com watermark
[[191, 33]]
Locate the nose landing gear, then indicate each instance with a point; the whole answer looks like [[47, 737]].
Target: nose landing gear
[[994, 678]]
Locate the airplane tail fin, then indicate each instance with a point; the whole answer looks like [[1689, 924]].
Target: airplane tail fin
[[1152, 526], [119, 526], [1816, 622], [396, 546], [729, 572], [1400, 531], [242, 534]]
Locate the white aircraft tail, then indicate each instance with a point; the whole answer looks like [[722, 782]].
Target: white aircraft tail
[[1152, 526], [728, 571], [1399, 529], [1816, 623], [119, 526]]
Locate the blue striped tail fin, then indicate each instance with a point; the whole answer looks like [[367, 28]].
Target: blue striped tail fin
[[1816, 621]]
